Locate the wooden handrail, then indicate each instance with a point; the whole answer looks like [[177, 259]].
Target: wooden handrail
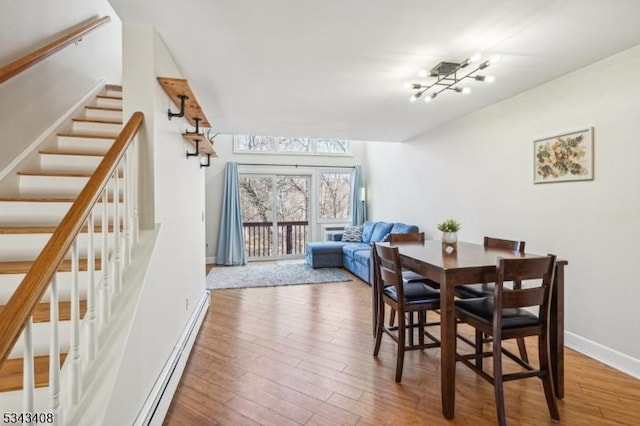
[[22, 303], [17, 66]]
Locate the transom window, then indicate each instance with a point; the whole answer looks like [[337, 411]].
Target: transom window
[[284, 145]]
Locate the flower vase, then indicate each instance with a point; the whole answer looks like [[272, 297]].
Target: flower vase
[[449, 241]]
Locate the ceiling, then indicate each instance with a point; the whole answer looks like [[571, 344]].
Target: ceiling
[[336, 68]]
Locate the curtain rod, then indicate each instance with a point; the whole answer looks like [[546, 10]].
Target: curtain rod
[[295, 165]]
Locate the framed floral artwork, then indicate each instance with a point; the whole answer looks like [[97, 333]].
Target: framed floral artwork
[[564, 157]]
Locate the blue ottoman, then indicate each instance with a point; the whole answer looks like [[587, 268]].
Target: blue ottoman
[[324, 254]]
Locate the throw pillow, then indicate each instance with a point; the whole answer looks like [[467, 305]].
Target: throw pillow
[[386, 238], [352, 234]]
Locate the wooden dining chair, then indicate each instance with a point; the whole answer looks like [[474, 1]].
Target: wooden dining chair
[[390, 290], [503, 317], [470, 291], [407, 275], [411, 276]]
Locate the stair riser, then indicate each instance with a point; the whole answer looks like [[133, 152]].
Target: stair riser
[[10, 282], [41, 336], [109, 103], [32, 214], [102, 114], [55, 186], [114, 93], [13, 401], [89, 145], [97, 128], [71, 163], [14, 247]]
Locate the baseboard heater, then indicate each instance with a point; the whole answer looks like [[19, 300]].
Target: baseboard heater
[[156, 406]]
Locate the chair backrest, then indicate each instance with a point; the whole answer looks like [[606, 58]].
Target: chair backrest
[[406, 237], [499, 243], [540, 269], [387, 266]]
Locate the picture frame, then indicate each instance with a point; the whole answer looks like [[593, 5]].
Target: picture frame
[[565, 157]]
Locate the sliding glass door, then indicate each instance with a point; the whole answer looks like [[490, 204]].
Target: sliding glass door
[[275, 214]]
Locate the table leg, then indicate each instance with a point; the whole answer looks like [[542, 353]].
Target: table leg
[[448, 348], [556, 331]]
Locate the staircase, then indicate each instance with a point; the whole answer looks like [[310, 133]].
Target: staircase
[[33, 201]]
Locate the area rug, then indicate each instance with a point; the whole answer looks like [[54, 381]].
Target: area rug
[[271, 274]]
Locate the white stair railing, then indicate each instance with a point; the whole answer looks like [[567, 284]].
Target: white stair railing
[[17, 316]]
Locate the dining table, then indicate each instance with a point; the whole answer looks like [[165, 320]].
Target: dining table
[[472, 263]]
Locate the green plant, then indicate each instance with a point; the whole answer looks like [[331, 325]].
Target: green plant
[[449, 225]]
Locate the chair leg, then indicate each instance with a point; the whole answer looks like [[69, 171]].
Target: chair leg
[[422, 320], [375, 307], [411, 327], [401, 344], [379, 329], [392, 317], [479, 347], [498, 384], [547, 377], [523, 349]]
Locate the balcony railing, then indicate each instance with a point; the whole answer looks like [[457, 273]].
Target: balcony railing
[[258, 238]]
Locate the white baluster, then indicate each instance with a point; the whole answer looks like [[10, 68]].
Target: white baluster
[[105, 308], [54, 352], [76, 367], [28, 376], [117, 260], [91, 288], [135, 177], [126, 218]]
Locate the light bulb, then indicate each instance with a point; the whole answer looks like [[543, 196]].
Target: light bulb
[[406, 85], [428, 99], [422, 73], [494, 59], [466, 91], [489, 78], [414, 97]]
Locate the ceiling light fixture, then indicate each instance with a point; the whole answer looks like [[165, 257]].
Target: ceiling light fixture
[[448, 76]]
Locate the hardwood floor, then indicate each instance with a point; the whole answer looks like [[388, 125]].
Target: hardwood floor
[[303, 355]]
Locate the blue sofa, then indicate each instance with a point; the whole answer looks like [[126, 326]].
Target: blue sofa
[[353, 256]]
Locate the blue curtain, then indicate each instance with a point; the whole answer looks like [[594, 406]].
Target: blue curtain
[[230, 239], [358, 205]]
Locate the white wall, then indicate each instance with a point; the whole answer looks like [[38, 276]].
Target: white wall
[[177, 275], [479, 170], [60, 80], [223, 146]]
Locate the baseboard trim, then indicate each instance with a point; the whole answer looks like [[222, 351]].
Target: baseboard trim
[[604, 354], [52, 128], [211, 260], [158, 401]]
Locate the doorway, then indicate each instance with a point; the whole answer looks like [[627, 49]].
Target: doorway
[[275, 215]]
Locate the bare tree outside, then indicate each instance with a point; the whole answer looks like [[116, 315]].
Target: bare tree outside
[[333, 146], [275, 208], [334, 199], [291, 211], [313, 146]]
